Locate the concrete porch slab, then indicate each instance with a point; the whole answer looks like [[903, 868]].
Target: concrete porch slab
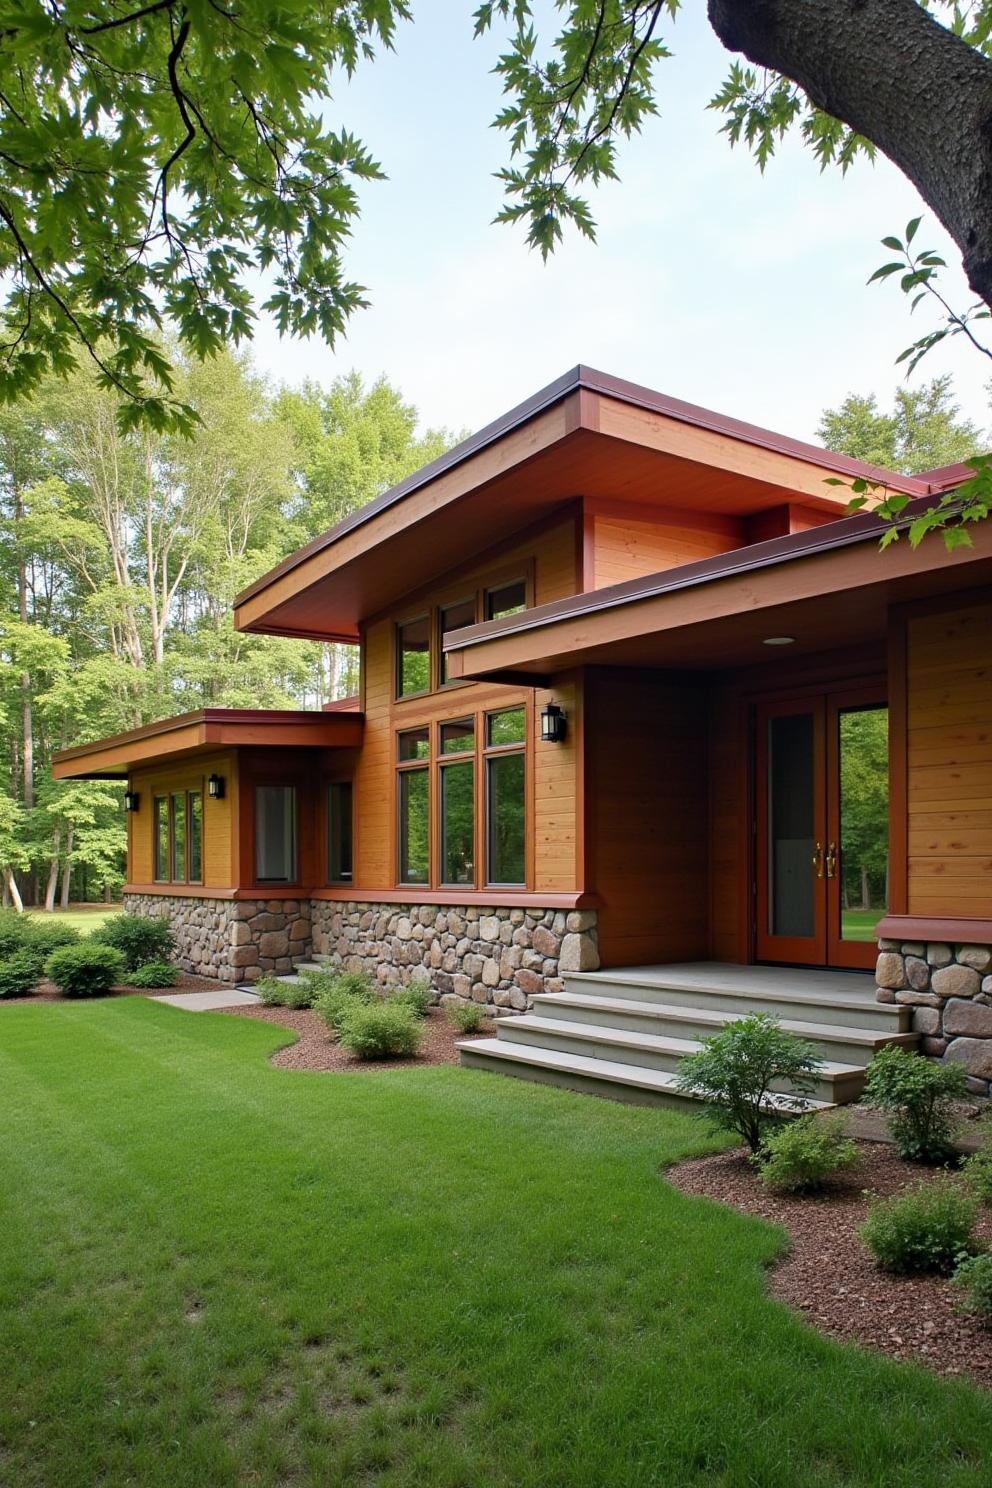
[[207, 1002]]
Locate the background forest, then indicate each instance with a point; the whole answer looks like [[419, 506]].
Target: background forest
[[122, 552]]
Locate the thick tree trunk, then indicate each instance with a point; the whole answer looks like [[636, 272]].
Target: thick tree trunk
[[895, 75], [66, 871], [11, 891], [53, 879]]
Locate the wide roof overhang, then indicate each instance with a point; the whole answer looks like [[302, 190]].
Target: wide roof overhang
[[203, 732], [586, 435], [829, 588]]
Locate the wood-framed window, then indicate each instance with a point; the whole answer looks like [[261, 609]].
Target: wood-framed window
[[413, 656], [340, 832], [275, 834], [451, 617], [506, 796], [456, 794], [505, 599], [420, 665], [413, 796], [177, 837]]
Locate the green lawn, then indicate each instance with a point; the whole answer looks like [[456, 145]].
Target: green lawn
[[859, 924], [83, 917], [216, 1272]]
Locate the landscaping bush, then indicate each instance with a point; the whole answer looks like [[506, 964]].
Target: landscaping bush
[[301, 994], [18, 975], [417, 996], [926, 1228], [977, 1170], [975, 1276], [271, 990], [341, 993], [381, 1030], [803, 1155], [154, 974], [139, 938], [735, 1071], [21, 933], [467, 1017], [919, 1096], [85, 970]]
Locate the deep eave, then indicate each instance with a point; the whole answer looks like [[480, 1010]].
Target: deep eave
[[204, 730]]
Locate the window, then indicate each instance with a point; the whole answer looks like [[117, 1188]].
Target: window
[[453, 617], [339, 831], [457, 777], [507, 599], [415, 744], [414, 800], [195, 836], [413, 653], [275, 833], [178, 874], [177, 832], [505, 762], [458, 738], [160, 828]]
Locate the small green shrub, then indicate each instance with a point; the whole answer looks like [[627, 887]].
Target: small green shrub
[[85, 970], [356, 984], [975, 1276], [417, 996], [919, 1095], [154, 974], [380, 1031], [926, 1228], [803, 1155], [18, 975], [467, 1017], [736, 1069], [37, 938], [340, 994], [139, 938], [271, 990], [299, 994], [977, 1169]]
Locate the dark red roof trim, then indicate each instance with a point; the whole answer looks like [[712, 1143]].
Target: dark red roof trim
[[199, 715]]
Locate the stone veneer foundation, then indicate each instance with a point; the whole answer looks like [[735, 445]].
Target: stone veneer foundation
[[234, 940], [950, 991]]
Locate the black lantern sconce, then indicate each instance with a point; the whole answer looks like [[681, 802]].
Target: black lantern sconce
[[553, 724], [131, 800], [215, 787]]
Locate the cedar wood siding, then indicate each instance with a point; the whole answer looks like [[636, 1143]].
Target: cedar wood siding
[[219, 817], [630, 540]]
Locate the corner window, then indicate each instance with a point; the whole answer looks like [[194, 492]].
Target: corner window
[[454, 617], [339, 832], [506, 599], [275, 833], [413, 656]]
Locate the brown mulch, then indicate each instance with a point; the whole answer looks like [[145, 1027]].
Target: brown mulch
[[315, 1048], [831, 1278], [48, 992]]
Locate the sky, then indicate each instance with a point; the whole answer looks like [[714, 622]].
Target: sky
[[708, 281]]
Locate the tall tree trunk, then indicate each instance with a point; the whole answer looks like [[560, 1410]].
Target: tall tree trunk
[[66, 870], [53, 871], [898, 77], [11, 891], [865, 889]]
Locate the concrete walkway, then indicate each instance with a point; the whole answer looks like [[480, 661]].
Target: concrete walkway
[[207, 1002]]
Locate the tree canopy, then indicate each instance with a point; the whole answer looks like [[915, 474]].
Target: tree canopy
[[923, 431]]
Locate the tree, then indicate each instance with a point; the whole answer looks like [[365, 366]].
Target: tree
[[923, 431]]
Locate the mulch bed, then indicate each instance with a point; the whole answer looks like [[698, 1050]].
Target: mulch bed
[[48, 992], [316, 1050], [831, 1278]]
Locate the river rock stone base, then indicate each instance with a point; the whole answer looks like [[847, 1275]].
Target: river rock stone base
[[233, 940], [950, 991], [498, 957]]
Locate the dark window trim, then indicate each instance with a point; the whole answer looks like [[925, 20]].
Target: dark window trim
[[446, 762], [331, 785], [399, 695], [289, 785], [169, 797]]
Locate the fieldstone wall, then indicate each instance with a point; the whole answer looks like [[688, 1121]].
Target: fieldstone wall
[[950, 991], [234, 940], [501, 957]]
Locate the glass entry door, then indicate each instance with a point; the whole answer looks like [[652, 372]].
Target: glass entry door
[[822, 828]]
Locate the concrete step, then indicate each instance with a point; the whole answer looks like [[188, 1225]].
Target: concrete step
[[836, 1041], [837, 1084], [617, 1081], [311, 964], [820, 997]]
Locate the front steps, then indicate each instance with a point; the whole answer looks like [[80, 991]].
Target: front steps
[[622, 1034]]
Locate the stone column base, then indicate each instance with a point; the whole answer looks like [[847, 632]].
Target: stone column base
[[233, 940], [950, 991]]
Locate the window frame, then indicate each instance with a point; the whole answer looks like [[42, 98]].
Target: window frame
[[406, 768], [292, 786], [399, 626], [492, 752], [444, 763], [168, 796], [478, 590], [330, 786]]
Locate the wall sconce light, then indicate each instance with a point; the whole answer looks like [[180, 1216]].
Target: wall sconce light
[[131, 800], [553, 724], [215, 787]]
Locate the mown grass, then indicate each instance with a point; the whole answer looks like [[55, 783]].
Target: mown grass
[[214, 1272], [84, 918]]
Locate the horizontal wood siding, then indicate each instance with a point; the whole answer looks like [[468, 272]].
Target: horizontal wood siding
[[219, 857], [949, 761], [646, 825], [629, 541], [728, 827]]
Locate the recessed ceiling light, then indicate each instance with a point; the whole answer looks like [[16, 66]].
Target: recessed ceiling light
[[778, 640]]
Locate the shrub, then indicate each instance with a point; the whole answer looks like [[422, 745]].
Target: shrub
[[975, 1276], [18, 975], [139, 938], [380, 1031], [417, 996], [919, 1095], [271, 990], [735, 1071], [85, 970], [925, 1228], [977, 1169], [299, 994], [154, 974], [804, 1155], [340, 993], [467, 1017], [34, 937]]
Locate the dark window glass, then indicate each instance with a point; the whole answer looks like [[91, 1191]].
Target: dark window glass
[[195, 799], [275, 833], [508, 599], [791, 824], [508, 727], [179, 837], [458, 738], [339, 832], [458, 823], [453, 617], [160, 829], [505, 813], [414, 744], [414, 826], [414, 656]]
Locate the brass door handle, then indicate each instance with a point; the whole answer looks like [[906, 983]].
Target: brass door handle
[[831, 863], [818, 860]]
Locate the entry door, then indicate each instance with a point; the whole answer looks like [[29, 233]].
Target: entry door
[[822, 828]]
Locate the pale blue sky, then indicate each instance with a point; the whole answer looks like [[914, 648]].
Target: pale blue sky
[[709, 282]]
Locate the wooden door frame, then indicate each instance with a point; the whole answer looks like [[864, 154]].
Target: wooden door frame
[[793, 949], [855, 955]]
